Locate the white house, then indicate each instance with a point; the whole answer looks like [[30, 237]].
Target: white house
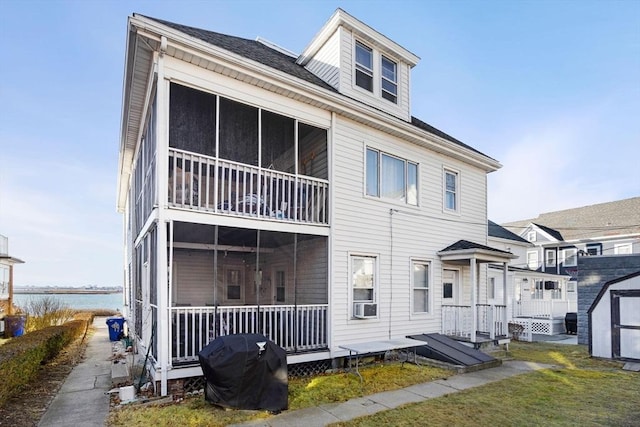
[[537, 300], [294, 196]]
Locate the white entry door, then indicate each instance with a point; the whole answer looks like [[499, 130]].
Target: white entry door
[[450, 286]]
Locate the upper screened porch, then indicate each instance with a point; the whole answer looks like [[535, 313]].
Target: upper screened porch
[[231, 158]]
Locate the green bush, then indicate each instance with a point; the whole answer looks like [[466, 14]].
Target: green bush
[[21, 358]]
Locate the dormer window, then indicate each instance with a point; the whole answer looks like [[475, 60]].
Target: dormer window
[[389, 80], [364, 67]]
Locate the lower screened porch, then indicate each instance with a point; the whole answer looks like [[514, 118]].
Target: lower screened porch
[[227, 280]]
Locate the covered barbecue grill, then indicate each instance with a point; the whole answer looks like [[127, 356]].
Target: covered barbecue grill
[[245, 371]]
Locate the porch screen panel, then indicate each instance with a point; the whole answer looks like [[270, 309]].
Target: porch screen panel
[[192, 120], [238, 132], [312, 151], [278, 145]]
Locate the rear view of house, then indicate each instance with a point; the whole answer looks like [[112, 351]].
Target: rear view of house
[[293, 196]]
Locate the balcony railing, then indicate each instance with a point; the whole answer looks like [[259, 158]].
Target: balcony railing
[[544, 309], [457, 321], [294, 328], [222, 186]]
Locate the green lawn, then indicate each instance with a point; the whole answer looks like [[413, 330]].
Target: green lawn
[[581, 391]]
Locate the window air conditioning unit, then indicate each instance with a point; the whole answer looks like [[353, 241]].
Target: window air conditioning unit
[[365, 310]]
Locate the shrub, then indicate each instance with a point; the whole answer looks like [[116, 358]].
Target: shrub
[[44, 312], [21, 358]]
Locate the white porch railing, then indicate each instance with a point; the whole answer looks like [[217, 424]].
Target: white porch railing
[[223, 186], [294, 328], [457, 320], [544, 309]]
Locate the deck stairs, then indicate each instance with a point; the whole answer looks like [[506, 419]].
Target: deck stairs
[[448, 350]]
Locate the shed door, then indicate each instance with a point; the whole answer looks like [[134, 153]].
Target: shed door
[[625, 324]]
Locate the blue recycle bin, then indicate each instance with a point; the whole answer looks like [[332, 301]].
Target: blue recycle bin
[[14, 325], [116, 328]]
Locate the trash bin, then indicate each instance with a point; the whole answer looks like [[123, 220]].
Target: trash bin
[[14, 325], [571, 323], [116, 328]]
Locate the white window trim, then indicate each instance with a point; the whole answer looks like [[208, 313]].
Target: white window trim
[[376, 280], [383, 78], [363, 68], [536, 259], [446, 170], [546, 258], [531, 235], [405, 202], [563, 257], [242, 283], [377, 72], [429, 311], [618, 246]]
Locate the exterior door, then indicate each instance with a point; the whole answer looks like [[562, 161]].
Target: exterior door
[[625, 324], [450, 286]]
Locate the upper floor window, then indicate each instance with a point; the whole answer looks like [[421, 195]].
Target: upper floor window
[[532, 260], [364, 67], [389, 80], [570, 257], [531, 236], [450, 190], [594, 249], [391, 177], [550, 257], [622, 249]]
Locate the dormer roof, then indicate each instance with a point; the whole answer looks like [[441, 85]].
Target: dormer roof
[[378, 40]]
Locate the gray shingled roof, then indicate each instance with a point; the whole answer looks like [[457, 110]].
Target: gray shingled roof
[[496, 230], [265, 55], [603, 219], [461, 245]]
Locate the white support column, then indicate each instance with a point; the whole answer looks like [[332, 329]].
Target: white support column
[[505, 294], [162, 158], [473, 278]]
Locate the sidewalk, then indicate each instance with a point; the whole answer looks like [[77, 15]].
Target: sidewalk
[[81, 401], [335, 412]]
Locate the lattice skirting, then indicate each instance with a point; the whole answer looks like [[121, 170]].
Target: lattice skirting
[[540, 326]]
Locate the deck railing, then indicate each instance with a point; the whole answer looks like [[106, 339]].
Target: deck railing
[[544, 309], [216, 185], [294, 328], [457, 320]]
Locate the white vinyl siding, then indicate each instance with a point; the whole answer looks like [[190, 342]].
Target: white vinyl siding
[[360, 224], [326, 63]]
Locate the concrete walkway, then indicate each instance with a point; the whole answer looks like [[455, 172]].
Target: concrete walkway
[[81, 401], [335, 412]]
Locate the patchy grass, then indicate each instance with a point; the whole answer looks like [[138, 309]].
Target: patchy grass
[[583, 391], [303, 393]]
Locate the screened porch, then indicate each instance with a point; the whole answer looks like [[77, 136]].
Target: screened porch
[[228, 280]]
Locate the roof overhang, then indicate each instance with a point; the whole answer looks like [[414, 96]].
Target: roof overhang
[[144, 37], [5, 259], [463, 256], [340, 18]]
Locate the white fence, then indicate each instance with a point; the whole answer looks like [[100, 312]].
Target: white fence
[[294, 328], [222, 186]]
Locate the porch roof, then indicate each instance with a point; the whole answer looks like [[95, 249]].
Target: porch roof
[[6, 259], [531, 273], [464, 250]]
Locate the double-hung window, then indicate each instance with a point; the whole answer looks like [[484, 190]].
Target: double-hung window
[[569, 257], [550, 257], [532, 260], [364, 67], [391, 177], [363, 278], [389, 80], [420, 284], [451, 190]]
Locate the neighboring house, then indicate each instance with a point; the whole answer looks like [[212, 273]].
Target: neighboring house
[[537, 300], [614, 320], [560, 239], [6, 277], [293, 196]]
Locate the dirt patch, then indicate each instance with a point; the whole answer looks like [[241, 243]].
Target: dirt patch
[[29, 405]]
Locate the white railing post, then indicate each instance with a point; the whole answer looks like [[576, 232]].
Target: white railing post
[[491, 324]]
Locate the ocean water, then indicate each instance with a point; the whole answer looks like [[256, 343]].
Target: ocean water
[[77, 301]]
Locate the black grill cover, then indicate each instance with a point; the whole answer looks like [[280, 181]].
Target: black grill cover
[[245, 371]]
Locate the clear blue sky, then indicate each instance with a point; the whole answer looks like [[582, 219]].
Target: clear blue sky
[[549, 88]]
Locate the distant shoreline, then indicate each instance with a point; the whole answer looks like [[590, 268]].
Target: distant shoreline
[[66, 291]]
